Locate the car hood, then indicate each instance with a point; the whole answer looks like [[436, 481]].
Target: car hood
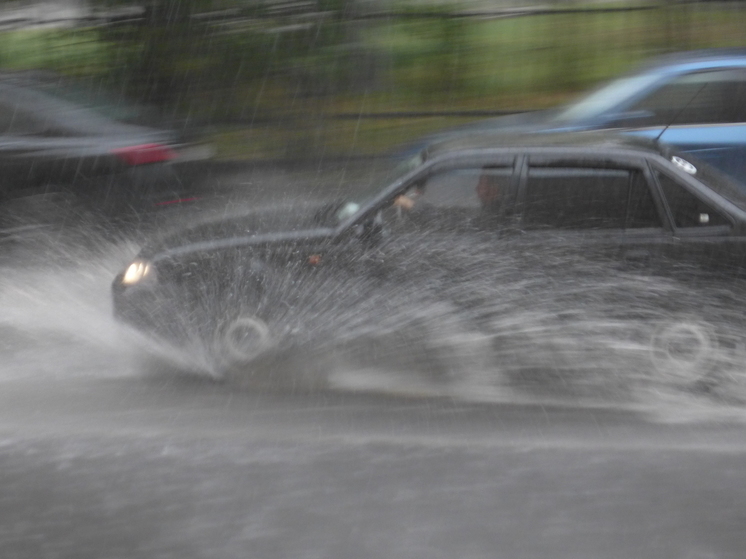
[[273, 225]]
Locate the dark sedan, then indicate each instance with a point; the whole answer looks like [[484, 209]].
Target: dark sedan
[[57, 136], [466, 249]]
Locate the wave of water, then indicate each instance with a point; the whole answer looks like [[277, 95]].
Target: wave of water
[[525, 328], [527, 324], [56, 316]]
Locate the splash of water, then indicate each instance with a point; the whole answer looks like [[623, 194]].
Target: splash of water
[[440, 319], [56, 311], [526, 326]]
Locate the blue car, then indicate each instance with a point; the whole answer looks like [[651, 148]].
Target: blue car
[[695, 101]]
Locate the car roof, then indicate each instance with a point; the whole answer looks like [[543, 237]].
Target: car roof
[[28, 77], [70, 108], [586, 140], [698, 55], [693, 60]]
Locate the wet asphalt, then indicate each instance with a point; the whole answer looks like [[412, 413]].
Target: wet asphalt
[[168, 467]]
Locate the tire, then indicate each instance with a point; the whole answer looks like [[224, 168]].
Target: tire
[[243, 339], [227, 317], [684, 350]]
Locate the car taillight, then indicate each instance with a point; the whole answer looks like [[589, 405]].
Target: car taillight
[[143, 154]]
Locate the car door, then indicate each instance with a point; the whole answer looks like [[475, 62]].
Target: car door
[[420, 255], [703, 113], [583, 210]]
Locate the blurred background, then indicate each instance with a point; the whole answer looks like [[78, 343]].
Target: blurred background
[[276, 79]]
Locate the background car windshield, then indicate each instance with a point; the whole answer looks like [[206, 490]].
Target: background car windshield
[[606, 98], [698, 98]]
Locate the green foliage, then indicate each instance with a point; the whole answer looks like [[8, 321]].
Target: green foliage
[[76, 52], [429, 51], [176, 55], [294, 68]]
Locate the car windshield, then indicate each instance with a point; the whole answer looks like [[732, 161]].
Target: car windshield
[[360, 198], [606, 98]]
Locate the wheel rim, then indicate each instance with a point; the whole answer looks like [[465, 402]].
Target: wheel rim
[[683, 350], [245, 338]]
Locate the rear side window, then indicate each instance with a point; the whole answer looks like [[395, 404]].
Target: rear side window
[[713, 97], [588, 198], [688, 211]]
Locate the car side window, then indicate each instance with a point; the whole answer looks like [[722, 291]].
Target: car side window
[[457, 199], [713, 97], [588, 198], [641, 209], [688, 210]]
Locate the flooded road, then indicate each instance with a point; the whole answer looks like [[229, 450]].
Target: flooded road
[[171, 467], [114, 446]]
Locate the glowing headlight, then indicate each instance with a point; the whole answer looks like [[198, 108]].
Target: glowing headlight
[[136, 272]]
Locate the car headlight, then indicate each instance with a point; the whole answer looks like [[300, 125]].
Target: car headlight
[[136, 272]]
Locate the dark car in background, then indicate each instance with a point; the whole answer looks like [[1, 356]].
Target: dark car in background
[[61, 137], [695, 101], [466, 235]]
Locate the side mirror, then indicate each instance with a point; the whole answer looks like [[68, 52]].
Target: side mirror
[[327, 215], [370, 232]]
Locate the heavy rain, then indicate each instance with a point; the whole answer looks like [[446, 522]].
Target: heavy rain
[[252, 303]]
